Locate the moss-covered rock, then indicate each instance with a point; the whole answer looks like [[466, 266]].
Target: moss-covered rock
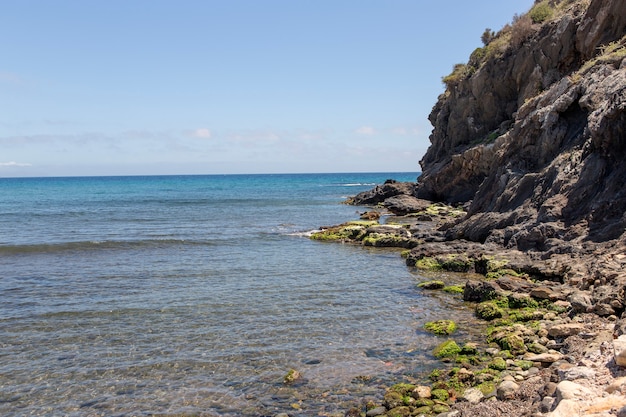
[[440, 408], [498, 364], [435, 374], [431, 285], [425, 409], [441, 327], [291, 376], [401, 411], [345, 232], [424, 402], [454, 289], [514, 343], [393, 399], [440, 394], [469, 348], [525, 315], [447, 349], [403, 388], [457, 263], [379, 240], [525, 365], [522, 301], [428, 264], [488, 310], [487, 387]]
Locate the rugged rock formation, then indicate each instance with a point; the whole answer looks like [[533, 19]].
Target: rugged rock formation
[[530, 138], [531, 134]]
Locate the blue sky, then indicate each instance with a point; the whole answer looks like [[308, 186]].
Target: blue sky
[[123, 87]]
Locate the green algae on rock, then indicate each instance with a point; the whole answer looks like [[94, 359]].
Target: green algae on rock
[[447, 349], [441, 327], [432, 285], [488, 310], [291, 376]]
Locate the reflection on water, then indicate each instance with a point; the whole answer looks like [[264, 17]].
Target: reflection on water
[[218, 342]]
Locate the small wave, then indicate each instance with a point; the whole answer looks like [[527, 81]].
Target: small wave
[[359, 184], [308, 233], [93, 245]]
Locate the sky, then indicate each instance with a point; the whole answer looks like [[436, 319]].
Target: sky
[[155, 87]]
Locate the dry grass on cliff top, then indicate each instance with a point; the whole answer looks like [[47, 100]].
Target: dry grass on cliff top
[[513, 35]]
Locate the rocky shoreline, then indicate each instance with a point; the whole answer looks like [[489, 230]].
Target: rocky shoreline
[[551, 349], [523, 185]]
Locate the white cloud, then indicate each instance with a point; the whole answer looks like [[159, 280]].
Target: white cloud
[[366, 130], [404, 131], [14, 164], [202, 133], [10, 78], [258, 136]]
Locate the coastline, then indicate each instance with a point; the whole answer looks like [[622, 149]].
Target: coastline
[[551, 349]]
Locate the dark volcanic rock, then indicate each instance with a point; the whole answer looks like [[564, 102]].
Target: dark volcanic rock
[[534, 138], [404, 204], [380, 193]]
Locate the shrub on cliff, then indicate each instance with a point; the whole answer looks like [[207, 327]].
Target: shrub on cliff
[[521, 29], [487, 36], [541, 12], [459, 73]]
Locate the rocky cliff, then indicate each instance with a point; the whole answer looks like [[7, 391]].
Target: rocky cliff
[[530, 134]]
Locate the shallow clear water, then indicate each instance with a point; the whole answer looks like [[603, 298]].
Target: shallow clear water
[[196, 295]]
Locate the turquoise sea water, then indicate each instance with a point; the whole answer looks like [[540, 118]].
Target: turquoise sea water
[[195, 295]]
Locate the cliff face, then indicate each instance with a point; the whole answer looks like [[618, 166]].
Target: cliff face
[[531, 133]]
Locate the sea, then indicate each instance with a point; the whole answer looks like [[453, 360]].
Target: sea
[[196, 296]]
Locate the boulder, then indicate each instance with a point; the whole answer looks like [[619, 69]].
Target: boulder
[[377, 411], [472, 395], [580, 302], [565, 330], [543, 293], [545, 358], [576, 372], [421, 392], [566, 408], [507, 390], [403, 204], [568, 390], [380, 193], [619, 347], [478, 291]]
